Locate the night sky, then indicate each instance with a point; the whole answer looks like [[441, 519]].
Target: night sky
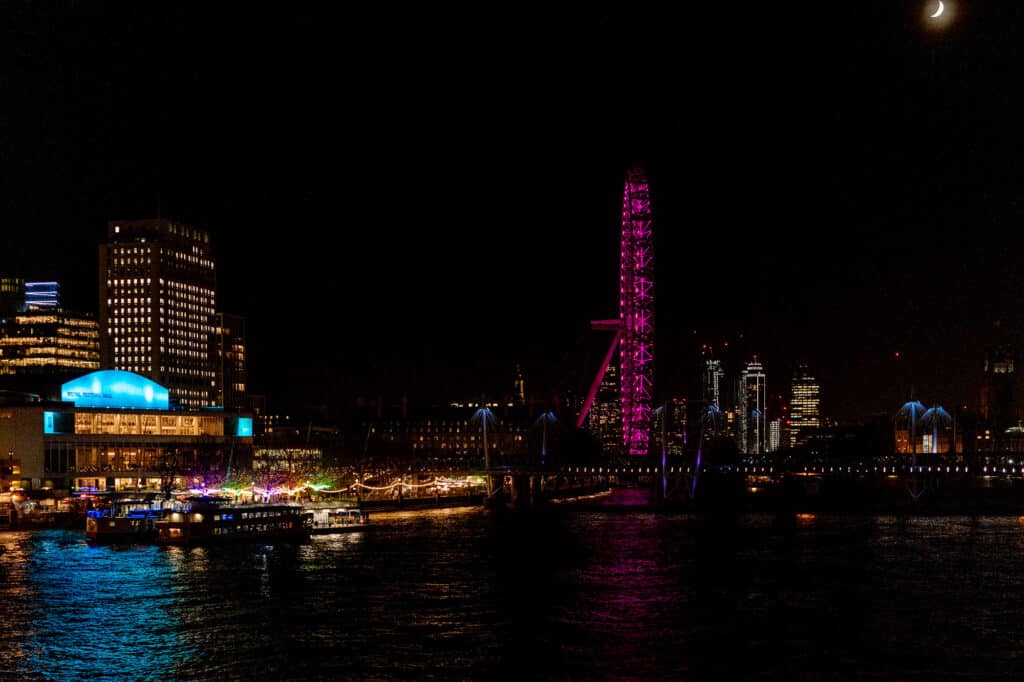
[[441, 190]]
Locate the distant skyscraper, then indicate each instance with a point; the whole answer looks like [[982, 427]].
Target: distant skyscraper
[[229, 360], [711, 381], [157, 300], [605, 417], [741, 420], [752, 404], [804, 414], [41, 296], [674, 429], [774, 435], [676, 433]]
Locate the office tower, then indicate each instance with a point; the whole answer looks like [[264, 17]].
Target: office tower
[[41, 344], [157, 300], [753, 397], [774, 435], [804, 415], [605, 417], [45, 349], [674, 429], [741, 419], [228, 355], [711, 382]]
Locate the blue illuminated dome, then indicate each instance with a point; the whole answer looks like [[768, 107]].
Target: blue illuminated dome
[[936, 416], [116, 389]]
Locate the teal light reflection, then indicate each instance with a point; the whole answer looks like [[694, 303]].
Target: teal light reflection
[[102, 612]]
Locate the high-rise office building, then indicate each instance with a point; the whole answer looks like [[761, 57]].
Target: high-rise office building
[[228, 354], [804, 414], [711, 382], [774, 435], [56, 344], [674, 429], [157, 301], [605, 417], [41, 344], [752, 405]]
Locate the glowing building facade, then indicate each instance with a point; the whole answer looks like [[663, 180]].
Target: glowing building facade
[[48, 343], [112, 431], [157, 300], [804, 414], [292, 460], [42, 296]]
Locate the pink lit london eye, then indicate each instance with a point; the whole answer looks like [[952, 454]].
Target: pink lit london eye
[[636, 313], [634, 330]]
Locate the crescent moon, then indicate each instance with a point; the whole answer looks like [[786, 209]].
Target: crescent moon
[[939, 11]]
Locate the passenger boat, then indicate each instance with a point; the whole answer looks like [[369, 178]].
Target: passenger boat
[[123, 521], [332, 519], [213, 521]]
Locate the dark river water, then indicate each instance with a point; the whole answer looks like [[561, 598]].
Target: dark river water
[[560, 594]]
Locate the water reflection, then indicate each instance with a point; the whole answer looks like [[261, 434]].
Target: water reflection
[[558, 594], [94, 610]]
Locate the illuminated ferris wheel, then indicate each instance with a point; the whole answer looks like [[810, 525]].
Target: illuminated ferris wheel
[[636, 313]]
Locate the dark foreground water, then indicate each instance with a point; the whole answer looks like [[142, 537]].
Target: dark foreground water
[[563, 594]]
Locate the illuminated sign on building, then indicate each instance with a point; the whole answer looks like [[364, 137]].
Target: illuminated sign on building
[[116, 389], [244, 426], [238, 426]]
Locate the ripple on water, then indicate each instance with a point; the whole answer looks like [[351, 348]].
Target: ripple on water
[[562, 594]]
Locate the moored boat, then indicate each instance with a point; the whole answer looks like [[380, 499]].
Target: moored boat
[[333, 519], [214, 521], [123, 521]]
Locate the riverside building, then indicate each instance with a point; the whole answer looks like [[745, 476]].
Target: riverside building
[[114, 430]]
